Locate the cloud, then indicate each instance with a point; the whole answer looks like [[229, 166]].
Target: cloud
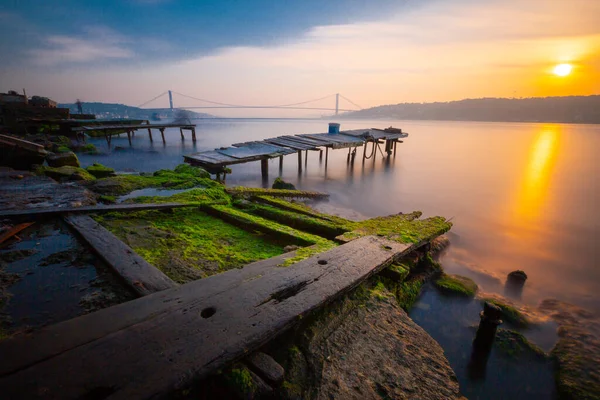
[[97, 44]]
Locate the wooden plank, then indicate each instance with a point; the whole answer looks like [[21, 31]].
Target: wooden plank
[[304, 140], [14, 230], [291, 144], [140, 275], [40, 212], [254, 150], [196, 337], [58, 338], [25, 144]]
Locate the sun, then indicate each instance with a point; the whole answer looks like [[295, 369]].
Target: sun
[[563, 69]]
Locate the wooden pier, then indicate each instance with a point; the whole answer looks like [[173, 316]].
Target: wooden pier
[[216, 161], [115, 129]]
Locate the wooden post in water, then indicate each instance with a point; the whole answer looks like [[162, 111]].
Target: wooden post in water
[[129, 136], [320, 154], [162, 134], [181, 131], [264, 168], [300, 160], [150, 134], [280, 165], [305, 158], [395, 144], [326, 155], [193, 134]]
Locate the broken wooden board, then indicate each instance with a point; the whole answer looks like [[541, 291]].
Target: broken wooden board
[[42, 212], [190, 331], [291, 144], [58, 338], [141, 276], [254, 149], [14, 230]]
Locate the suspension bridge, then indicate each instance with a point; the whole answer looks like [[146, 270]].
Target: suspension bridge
[[209, 104]]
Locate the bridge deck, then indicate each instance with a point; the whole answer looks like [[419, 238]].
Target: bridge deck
[[215, 161]]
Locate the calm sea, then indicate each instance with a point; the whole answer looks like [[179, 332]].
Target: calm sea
[[521, 196]]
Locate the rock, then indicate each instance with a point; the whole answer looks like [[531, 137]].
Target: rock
[[290, 247], [439, 244], [41, 191], [266, 367], [281, 184], [100, 171], [577, 352], [66, 173], [456, 285], [245, 384], [395, 272], [370, 349], [16, 255], [62, 159]]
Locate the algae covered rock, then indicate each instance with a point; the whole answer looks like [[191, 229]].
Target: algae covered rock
[[366, 347], [281, 184], [510, 313], [456, 285], [67, 173], [100, 171], [62, 159], [577, 353]]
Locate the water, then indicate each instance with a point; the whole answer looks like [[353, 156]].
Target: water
[[521, 196]]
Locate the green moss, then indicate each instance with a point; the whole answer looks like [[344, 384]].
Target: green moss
[[293, 390], [87, 148], [511, 314], [300, 208], [281, 184], [379, 291], [515, 345], [183, 177], [65, 173], [404, 228], [100, 171], [253, 222], [298, 194], [208, 195], [240, 380], [187, 244], [301, 221], [62, 149], [107, 199], [457, 285], [408, 292], [576, 369], [307, 252], [397, 272]]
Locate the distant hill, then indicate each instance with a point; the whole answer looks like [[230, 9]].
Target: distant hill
[[569, 109], [113, 110]]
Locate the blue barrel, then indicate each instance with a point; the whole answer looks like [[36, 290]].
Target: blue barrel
[[334, 128]]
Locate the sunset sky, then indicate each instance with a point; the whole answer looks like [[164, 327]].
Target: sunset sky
[[268, 52]]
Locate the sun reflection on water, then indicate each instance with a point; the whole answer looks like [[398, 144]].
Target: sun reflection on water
[[534, 191]]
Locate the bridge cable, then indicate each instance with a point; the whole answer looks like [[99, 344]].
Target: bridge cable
[[351, 102], [238, 105], [150, 101]]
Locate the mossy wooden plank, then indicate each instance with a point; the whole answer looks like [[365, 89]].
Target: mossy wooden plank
[[141, 276], [195, 334], [38, 212]]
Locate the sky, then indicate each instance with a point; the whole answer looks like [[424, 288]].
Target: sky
[[265, 52]]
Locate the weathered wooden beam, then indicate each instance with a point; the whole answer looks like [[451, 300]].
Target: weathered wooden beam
[[14, 230], [141, 276], [186, 333], [39, 212]]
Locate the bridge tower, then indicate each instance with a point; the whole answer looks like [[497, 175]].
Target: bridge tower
[[171, 100], [337, 103]]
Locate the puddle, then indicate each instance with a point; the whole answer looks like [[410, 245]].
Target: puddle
[[58, 278], [452, 323], [152, 192]]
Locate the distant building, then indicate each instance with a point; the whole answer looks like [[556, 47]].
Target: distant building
[[39, 101], [12, 97]]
